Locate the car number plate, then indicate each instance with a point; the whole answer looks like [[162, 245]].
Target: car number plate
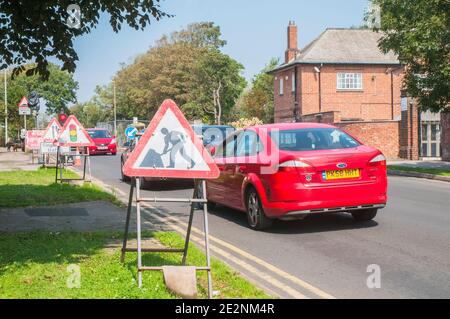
[[343, 173], [102, 147]]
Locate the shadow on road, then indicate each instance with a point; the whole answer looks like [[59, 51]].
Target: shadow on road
[[311, 224], [167, 185]]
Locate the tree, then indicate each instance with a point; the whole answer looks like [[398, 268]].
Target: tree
[[218, 83], [419, 32], [89, 114], [56, 93], [198, 34], [258, 100], [39, 30], [177, 67]]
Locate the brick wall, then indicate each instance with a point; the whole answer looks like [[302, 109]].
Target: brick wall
[[284, 104], [373, 102], [323, 117], [445, 136], [380, 134]]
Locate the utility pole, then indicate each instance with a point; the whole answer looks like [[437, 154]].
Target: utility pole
[[6, 111], [114, 106]]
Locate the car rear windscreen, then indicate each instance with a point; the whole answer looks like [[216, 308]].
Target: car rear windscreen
[[99, 133], [310, 139]]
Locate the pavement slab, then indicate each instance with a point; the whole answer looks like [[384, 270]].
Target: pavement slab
[[16, 161]]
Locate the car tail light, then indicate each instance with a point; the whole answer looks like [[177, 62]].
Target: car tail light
[[113, 141], [292, 165], [378, 160]]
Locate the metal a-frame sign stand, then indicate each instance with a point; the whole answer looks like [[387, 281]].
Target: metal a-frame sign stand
[[60, 164], [135, 183], [135, 168], [73, 134]]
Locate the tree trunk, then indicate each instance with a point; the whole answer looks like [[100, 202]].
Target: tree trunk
[[217, 104]]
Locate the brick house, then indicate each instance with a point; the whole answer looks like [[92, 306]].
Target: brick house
[[343, 78]]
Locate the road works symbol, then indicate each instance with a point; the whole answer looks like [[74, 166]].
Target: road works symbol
[[52, 131], [73, 134], [170, 148]]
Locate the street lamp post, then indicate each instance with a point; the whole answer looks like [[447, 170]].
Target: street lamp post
[[6, 111], [114, 106]]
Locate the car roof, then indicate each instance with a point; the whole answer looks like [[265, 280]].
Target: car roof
[[208, 125], [291, 126]]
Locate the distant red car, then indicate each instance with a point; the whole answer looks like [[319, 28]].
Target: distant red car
[[292, 170], [104, 142]]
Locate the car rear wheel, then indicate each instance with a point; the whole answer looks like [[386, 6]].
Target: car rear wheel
[[125, 178], [256, 217], [364, 215]]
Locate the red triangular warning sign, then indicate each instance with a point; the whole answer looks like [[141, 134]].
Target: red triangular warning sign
[[170, 148], [52, 130], [73, 134], [23, 102]]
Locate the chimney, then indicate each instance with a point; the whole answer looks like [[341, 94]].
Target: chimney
[[292, 48]]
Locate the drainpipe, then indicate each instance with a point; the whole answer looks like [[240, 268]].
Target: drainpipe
[[297, 116], [318, 71], [392, 94]]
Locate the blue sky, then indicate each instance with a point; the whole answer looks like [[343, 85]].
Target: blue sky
[[254, 29]]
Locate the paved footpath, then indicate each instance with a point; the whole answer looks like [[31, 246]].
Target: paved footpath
[[15, 160]]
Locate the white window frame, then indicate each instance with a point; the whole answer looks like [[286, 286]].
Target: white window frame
[[349, 81], [281, 88]]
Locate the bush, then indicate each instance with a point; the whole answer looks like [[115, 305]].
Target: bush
[[246, 122]]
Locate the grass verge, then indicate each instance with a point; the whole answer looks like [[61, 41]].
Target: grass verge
[[40, 264], [38, 188], [434, 171]]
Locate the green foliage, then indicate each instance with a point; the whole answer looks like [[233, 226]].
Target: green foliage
[[56, 93], [36, 30], [419, 32], [89, 113], [218, 84], [258, 100], [184, 66]]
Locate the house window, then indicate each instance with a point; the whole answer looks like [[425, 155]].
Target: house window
[[281, 86], [349, 81], [293, 81]]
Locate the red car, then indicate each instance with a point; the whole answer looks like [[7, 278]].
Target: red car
[[292, 170], [104, 142]]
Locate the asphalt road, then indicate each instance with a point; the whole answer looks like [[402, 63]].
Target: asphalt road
[[327, 255]]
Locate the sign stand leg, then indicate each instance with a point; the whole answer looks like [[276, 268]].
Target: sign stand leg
[[57, 164], [188, 233], [89, 163], [205, 220], [84, 168], [138, 230], [127, 222]]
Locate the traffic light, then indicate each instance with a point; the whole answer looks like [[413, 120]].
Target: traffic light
[[62, 118], [33, 101]]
